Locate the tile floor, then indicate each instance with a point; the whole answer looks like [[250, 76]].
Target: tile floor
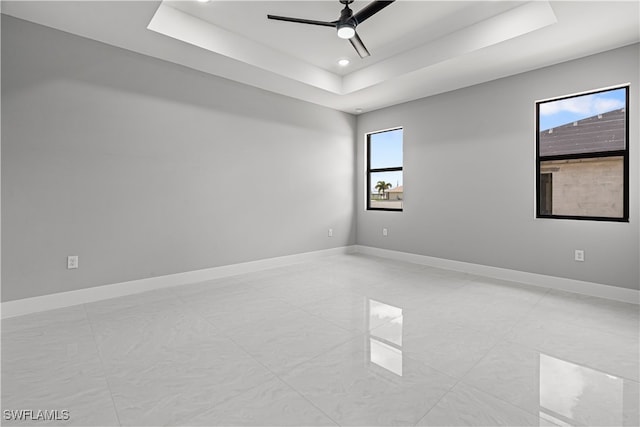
[[345, 340]]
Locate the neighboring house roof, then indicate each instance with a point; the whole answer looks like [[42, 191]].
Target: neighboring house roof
[[603, 132], [398, 189]]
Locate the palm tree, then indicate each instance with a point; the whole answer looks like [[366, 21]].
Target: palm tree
[[382, 186]]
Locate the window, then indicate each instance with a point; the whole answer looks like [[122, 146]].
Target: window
[[582, 156], [385, 191]]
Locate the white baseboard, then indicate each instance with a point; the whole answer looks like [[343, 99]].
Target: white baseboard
[[82, 296], [569, 285]]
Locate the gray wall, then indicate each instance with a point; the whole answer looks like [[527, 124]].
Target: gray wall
[[145, 168], [469, 178]]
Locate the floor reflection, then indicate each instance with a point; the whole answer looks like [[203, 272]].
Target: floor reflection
[[386, 356], [572, 394], [385, 345]]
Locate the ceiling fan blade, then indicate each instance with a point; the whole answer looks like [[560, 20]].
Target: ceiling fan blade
[[357, 44], [302, 21], [369, 10]]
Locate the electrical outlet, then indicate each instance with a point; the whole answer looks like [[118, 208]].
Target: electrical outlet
[[579, 255], [385, 232], [330, 233], [72, 262]]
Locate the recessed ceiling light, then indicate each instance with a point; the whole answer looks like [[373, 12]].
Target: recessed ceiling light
[[203, 1], [358, 110], [343, 62]]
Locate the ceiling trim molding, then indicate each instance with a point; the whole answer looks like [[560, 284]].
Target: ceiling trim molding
[[513, 23], [174, 23], [505, 26]]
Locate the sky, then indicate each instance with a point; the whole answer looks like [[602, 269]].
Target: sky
[[386, 151], [557, 113]]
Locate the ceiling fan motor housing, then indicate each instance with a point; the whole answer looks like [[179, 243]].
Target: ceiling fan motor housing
[[346, 27]]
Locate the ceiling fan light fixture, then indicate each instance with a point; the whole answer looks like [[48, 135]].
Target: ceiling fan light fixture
[[346, 30]]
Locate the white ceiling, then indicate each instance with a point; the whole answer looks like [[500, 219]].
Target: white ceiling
[[418, 48]]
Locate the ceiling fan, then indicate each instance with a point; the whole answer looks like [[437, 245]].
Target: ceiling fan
[[347, 23]]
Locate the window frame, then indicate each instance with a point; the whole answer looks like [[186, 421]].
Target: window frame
[[591, 155], [369, 170]]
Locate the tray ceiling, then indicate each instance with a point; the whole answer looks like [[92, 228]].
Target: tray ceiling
[[418, 48]]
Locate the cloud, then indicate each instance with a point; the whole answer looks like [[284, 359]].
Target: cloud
[[602, 105], [587, 105]]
